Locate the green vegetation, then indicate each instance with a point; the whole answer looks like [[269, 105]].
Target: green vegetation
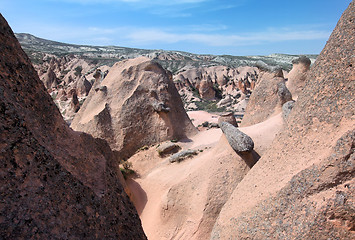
[[218, 91], [54, 95], [195, 92], [78, 71], [81, 101], [126, 169], [209, 106]]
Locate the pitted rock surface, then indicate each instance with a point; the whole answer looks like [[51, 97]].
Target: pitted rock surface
[[55, 183]]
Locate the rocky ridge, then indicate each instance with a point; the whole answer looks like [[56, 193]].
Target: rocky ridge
[[310, 164], [55, 183]]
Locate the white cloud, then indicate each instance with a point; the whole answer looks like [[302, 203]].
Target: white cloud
[[150, 36], [194, 35]]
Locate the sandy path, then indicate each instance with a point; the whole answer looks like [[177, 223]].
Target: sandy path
[[151, 190], [198, 117]]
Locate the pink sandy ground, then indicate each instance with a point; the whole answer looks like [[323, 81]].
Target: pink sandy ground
[[157, 176]]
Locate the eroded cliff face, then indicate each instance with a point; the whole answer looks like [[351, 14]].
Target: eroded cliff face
[[136, 104], [267, 99], [303, 187], [55, 183]]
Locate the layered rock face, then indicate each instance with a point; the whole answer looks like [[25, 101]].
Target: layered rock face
[[136, 104], [297, 76], [55, 183], [268, 97], [303, 187]]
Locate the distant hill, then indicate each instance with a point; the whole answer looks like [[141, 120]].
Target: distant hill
[[174, 61]]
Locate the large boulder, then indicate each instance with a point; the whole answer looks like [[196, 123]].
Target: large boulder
[[135, 105], [297, 75], [167, 148], [239, 141], [302, 188], [55, 183]]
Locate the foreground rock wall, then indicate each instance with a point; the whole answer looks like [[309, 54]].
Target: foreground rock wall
[[303, 187], [55, 183]]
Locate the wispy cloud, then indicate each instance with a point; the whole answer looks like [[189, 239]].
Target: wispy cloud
[[150, 36], [201, 35]]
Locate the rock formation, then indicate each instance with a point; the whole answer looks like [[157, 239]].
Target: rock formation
[[74, 104], [178, 157], [136, 104], [55, 183], [205, 88], [303, 187], [83, 86], [229, 118], [297, 76], [267, 98], [228, 85], [50, 79], [287, 108], [167, 148], [239, 141]]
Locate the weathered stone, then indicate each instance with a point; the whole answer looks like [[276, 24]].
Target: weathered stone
[[143, 108], [229, 118], [160, 107], [178, 157], [297, 76], [266, 99], [287, 108], [239, 141], [83, 87], [74, 103], [167, 148], [206, 89], [283, 93]]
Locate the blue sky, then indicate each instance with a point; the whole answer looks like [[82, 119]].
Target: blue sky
[[234, 27]]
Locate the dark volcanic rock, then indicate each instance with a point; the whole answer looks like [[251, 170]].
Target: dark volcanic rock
[[283, 93], [302, 60], [239, 141], [55, 183]]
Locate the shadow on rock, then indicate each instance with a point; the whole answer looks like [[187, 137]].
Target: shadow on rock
[[138, 195]]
